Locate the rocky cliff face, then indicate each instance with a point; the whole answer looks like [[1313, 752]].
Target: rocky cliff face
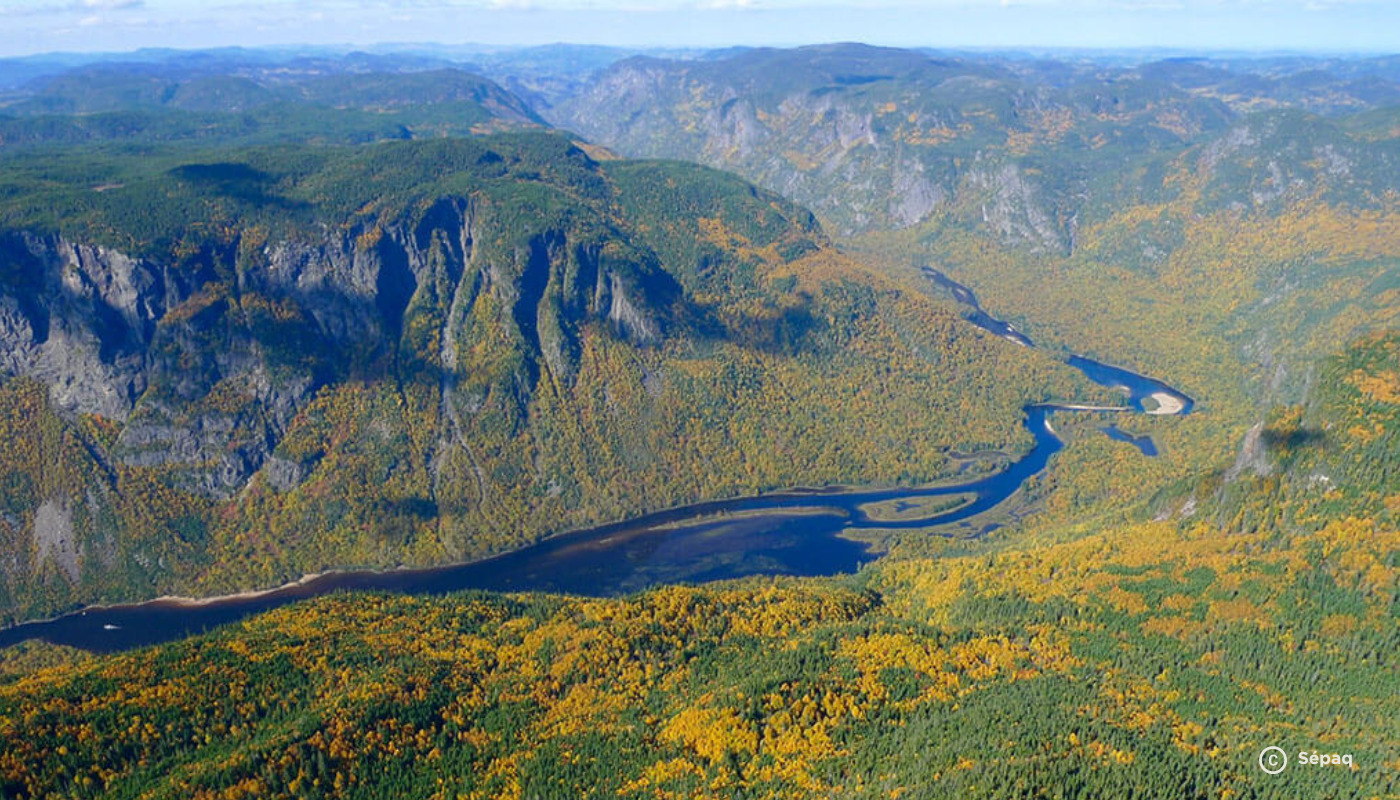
[[875, 139], [80, 320], [203, 374]]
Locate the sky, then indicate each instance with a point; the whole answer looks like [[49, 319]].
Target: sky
[[1369, 26]]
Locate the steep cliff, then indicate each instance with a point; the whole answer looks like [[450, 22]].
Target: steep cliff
[[878, 139]]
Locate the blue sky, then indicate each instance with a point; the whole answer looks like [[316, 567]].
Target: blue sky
[[32, 26]]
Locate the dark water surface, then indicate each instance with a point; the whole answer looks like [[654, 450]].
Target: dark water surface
[[974, 313], [1139, 387], [1144, 444], [792, 533]]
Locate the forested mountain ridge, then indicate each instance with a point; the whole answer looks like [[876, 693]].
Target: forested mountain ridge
[[101, 89], [254, 104], [231, 367]]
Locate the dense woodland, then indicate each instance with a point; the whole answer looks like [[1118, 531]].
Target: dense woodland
[[443, 417], [1159, 658], [539, 335]]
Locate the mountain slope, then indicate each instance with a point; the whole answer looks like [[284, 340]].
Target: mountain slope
[[253, 364], [145, 103], [874, 138], [1158, 662]]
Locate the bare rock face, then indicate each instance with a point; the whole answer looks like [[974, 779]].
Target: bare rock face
[[863, 161], [125, 339], [634, 322], [53, 535], [80, 320], [284, 474], [1253, 457], [205, 377], [914, 196], [333, 281], [1013, 209], [734, 127], [18, 347], [1239, 139]]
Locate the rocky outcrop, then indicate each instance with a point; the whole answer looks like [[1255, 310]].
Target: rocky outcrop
[[80, 318], [1253, 457], [914, 196], [205, 376], [880, 140], [823, 146], [53, 535], [1012, 208]]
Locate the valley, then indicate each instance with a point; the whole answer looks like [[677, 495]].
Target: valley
[[828, 421], [802, 534], [538, 342]]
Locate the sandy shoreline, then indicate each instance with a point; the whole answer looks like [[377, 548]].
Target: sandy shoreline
[[180, 600], [184, 600], [1167, 404]]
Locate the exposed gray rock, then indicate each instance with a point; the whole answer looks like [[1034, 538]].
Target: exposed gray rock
[[734, 128], [82, 324], [53, 536], [636, 325], [1335, 164], [1013, 209], [194, 385], [914, 196], [1239, 138], [17, 341], [332, 279], [283, 474], [1253, 457]]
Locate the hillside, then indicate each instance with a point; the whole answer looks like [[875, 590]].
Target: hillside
[[334, 101], [267, 315], [875, 138], [1158, 661], [231, 367], [1028, 154]]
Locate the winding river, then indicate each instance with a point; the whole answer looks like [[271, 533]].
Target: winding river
[[789, 533]]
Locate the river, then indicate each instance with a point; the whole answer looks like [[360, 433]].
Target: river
[[788, 533]]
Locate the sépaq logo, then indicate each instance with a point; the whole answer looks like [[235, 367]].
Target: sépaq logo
[[1274, 760]]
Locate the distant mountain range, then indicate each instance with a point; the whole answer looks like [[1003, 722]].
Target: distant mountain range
[[874, 139]]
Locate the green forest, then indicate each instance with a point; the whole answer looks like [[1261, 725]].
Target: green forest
[[1159, 661], [545, 341], [268, 316]]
